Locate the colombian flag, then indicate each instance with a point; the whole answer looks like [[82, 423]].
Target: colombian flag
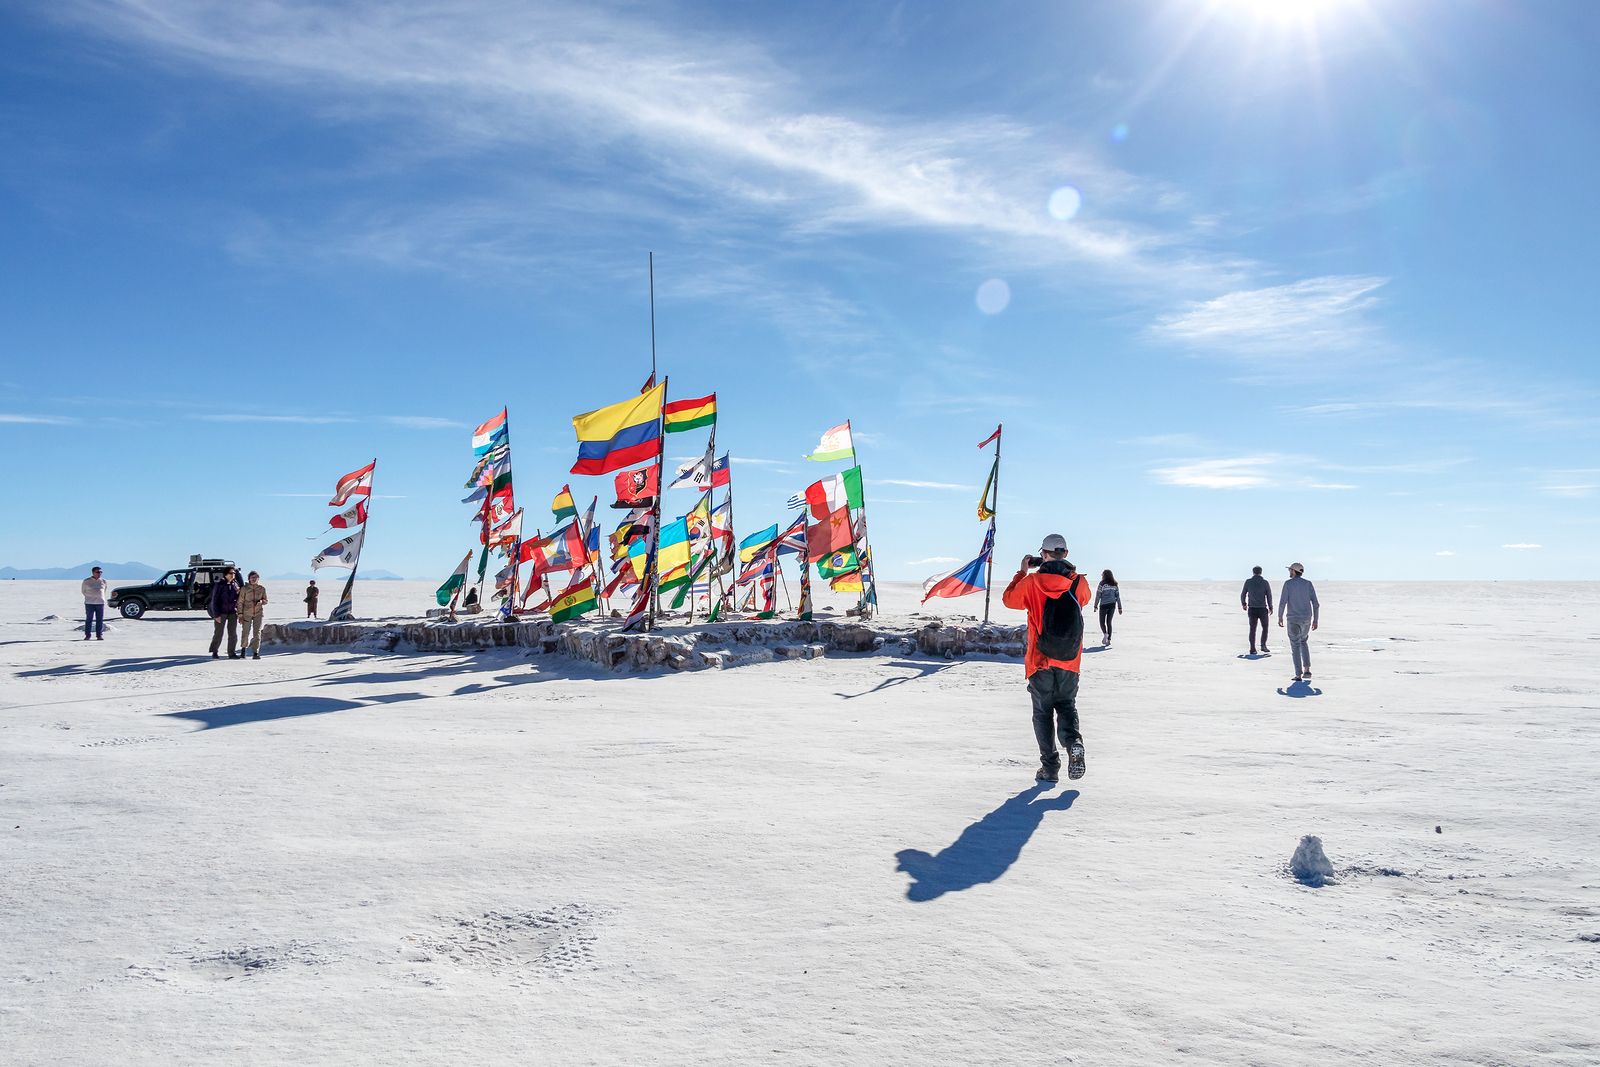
[[621, 435], [691, 414]]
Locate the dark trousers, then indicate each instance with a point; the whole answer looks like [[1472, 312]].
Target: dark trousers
[[1264, 617], [311, 609], [1106, 612], [94, 616], [1055, 710], [230, 621]]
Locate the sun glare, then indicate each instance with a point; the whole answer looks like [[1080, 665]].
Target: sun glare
[[1284, 12]]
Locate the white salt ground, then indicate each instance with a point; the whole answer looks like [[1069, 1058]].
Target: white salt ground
[[386, 859]]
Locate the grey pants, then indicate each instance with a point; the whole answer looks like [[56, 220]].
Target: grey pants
[[1299, 634], [230, 622], [250, 640], [1055, 711]]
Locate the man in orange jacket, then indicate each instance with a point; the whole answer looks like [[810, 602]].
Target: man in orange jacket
[[1054, 595]]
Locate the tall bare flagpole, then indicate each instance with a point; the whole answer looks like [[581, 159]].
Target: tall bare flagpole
[[652, 266], [652, 560], [988, 575]]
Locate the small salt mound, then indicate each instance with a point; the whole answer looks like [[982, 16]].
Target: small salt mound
[[1310, 865]]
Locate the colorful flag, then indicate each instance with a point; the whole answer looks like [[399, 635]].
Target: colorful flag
[[563, 550], [356, 483], [452, 585], [769, 597], [760, 567], [649, 383], [987, 441], [577, 600], [639, 557], [672, 550], [805, 591], [836, 563], [699, 520], [793, 540], [638, 488], [352, 517], [637, 613], [623, 579], [832, 493], [719, 473], [508, 531], [619, 435], [829, 536], [342, 553], [483, 438], [969, 579], [985, 505], [846, 583], [563, 505], [751, 546], [695, 474], [475, 496], [683, 415], [835, 444]]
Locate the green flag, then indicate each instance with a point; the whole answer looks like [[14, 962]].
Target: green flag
[[452, 585]]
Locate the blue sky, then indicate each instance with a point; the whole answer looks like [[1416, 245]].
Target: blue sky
[[1246, 282]]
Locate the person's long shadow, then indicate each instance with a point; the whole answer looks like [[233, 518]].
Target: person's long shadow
[[118, 666], [1300, 689], [984, 851], [920, 670], [281, 708]]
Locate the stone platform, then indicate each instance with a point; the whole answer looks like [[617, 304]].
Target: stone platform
[[676, 646]]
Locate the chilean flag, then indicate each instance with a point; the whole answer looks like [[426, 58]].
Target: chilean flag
[[969, 579]]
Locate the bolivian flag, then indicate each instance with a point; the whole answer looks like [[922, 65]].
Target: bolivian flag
[[578, 599], [563, 505], [621, 435], [691, 414]]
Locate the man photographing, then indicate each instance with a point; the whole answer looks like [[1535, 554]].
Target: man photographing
[[1054, 594]]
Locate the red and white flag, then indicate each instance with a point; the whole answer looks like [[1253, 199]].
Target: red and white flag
[[356, 483], [351, 517], [987, 441]]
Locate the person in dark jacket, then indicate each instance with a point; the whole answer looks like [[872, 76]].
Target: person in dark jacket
[[311, 599], [224, 611], [1256, 600]]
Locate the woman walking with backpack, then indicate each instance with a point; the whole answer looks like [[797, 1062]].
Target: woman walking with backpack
[[1108, 601]]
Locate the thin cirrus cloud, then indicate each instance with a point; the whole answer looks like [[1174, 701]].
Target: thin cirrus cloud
[[409, 422], [36, 420], [1313, 315], [932, 559], [1523, 546], [913, 484], [720, 120], [1270, 471]]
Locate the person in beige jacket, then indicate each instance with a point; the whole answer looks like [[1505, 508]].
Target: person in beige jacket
[[252, 609]]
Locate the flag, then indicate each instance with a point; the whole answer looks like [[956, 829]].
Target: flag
[[508, 531], [681, 415], [969, 579], [356, 483], [624, 578], [563, 505], [475, 496], [342, 553], [805, 591], [591, 533], [672, 551], [832, 493], [452, 585], [619, 435], [769, 597], [846, 583], [699, 520], [649, 383], [828, 536], [835, 444], [719, 473], [793, 540], [695, 474], [563, 550], [639, 556], [577, 600], [986, 505], [483, 438], [836, 563], [751, 546], [987, 441], [688, 587], [760, 567], [636, 613], [352, 517], [638, 488]]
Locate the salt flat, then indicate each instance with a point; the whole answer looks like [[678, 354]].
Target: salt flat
[[325, 857]]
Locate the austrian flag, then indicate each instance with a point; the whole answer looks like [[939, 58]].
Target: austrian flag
[[356, 483]]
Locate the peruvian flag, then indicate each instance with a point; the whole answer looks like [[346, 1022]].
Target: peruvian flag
[[356, 483], [351, 517]]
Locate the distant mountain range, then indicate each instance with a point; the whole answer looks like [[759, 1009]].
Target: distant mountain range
[[115, 572], [376, 576], [143, 572]]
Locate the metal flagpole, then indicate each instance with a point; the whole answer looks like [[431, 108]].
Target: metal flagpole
[[652, 265], [864, 554], [651, 561], [994, 512]]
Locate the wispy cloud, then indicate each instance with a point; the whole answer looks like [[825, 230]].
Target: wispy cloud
[[1444, 552], [1285, 321], [1522, 546], [409, 422], [36, 420], [309, 420], [752, 462], [423, 422], [913, 484], [1574, 484], [1265, 471], [931, 559]]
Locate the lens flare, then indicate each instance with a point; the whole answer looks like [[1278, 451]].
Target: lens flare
[[1119, 132], [993, 296], [1065, 202]]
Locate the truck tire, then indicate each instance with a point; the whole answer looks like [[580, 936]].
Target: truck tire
[[132, 609]]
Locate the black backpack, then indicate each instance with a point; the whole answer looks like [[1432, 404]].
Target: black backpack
[[1061, 628]]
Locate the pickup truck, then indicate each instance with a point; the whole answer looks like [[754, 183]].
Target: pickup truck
[[186, 589]]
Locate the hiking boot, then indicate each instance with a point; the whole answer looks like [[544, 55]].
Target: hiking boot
[[255, 655], [1048, 772], [1075, 765]]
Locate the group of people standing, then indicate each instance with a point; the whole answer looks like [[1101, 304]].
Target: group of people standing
[[1298, 613], [233, 605]]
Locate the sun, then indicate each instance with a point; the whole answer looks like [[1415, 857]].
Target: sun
[[1284, 12]]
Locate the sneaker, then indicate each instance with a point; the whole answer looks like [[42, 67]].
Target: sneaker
[[255, 655], [99, 638], [1264, 651], [1308, 676], [1048, 772], [1299, 678], [1075, 765]]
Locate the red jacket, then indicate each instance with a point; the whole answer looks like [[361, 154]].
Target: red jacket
[[1028, 592]]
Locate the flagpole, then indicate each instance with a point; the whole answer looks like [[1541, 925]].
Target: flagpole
[[651, 561], [594, 564], [865, 552], [345, 609], [652, 266], [988, 572]]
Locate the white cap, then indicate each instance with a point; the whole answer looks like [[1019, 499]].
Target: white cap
[[1297, 568], [1053, 543]]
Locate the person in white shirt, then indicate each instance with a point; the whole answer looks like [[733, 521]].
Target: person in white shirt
[[94, 605]]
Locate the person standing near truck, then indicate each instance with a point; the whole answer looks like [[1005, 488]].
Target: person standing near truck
[[252, 609], [224, 612], [94, 605]]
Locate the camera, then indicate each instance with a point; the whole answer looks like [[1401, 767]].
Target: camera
[[1035, 561]]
